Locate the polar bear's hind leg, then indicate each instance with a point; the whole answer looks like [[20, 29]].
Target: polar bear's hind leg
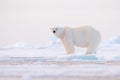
[[92, 47]]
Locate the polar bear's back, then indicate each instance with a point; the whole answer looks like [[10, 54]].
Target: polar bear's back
[[86, 34]]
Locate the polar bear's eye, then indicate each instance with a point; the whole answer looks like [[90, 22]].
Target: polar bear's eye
[[56, 29]]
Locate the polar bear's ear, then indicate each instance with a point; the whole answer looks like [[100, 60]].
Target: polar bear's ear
[[51, 28]]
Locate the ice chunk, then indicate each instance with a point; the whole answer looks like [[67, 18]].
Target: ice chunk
[[23, 45], [115, 40], [54, 41], [82, 57]]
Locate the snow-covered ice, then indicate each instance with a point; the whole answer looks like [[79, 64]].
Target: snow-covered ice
[[28, 59], [109, 50]]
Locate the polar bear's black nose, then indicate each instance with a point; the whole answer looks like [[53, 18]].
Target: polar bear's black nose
[[53, 31]]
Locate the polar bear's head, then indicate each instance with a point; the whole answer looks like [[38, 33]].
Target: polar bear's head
[[58, 31]]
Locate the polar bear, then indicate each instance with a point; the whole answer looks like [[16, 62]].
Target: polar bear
[[83, 36]]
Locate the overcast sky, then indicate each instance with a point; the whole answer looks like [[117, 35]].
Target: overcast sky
[[30, 20]]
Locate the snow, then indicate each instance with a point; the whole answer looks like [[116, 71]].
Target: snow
[[55, 51], [36, 55], [40, 70]]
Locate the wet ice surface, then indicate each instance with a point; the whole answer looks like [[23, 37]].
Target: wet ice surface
[[31, 61]]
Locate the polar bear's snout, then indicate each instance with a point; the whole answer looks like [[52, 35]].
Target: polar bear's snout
[[53, 31]]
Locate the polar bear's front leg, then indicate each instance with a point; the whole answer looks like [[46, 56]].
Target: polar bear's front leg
[[65, 46], [69, 46]]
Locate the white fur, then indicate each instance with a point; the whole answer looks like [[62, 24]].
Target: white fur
[[84, 36]]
